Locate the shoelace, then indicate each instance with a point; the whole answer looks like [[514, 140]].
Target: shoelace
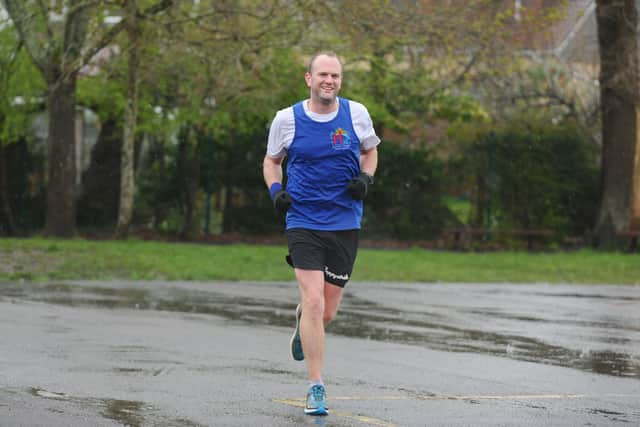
[[317, 391]]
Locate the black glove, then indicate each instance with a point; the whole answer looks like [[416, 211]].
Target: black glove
[[359, 186], [282, 201]]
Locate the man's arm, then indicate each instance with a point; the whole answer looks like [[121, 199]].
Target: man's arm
[[358, 187], [369, 161], [272, 170]]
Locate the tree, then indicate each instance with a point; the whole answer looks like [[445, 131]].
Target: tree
[[618, 41], [428, 46], [57, 58], [127, 183], [219, 79], [60, 39]]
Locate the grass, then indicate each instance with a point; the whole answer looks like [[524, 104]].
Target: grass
[[460, 206], [50, 259]]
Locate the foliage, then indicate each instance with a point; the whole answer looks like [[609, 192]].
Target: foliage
[[157, 202], [220, 70], [21, 88], [535, 175], [104, 94], [406, 200]]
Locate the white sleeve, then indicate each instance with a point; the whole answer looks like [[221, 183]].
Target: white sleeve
[[281, 133], [363, 126]]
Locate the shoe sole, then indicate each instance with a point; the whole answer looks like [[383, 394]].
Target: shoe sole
[[296, 333], [317, 411]]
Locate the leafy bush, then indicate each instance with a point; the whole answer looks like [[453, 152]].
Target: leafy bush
[[406, 201], [534, 175]]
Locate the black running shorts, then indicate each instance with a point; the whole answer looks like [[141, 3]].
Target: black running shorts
[[333, 252]]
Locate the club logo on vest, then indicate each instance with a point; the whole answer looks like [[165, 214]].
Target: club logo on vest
[[340, 139]]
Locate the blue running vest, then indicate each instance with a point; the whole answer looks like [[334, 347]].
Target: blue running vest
[[322, 159]]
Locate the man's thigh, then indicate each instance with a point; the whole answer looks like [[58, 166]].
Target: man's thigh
[[332, 252]]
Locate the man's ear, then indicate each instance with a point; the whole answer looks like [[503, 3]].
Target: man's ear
[[307, 78]]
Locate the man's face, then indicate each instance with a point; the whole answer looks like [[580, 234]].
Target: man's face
[[325, 79]]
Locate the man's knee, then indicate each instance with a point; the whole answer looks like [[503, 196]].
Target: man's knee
[[329, 315], [313, 305], [332, 298]]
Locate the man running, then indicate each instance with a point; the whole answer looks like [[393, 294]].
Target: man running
[[332, 156]]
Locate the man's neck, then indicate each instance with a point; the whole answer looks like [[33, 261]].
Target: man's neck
[[321, 107]]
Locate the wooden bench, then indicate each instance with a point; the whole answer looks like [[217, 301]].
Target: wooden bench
[[462, 235]]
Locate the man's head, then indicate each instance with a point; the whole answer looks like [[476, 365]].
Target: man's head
[[324, 77]]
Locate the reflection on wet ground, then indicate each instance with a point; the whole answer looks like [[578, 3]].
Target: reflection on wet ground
[[124, 412], [487, 330]]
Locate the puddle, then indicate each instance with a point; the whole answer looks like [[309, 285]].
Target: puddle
[[125, 412], [450, 338], [363, 319], [613, 416], [589, 296], [47, 394]]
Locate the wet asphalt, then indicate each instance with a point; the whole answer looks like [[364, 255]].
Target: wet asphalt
[[76, 353]]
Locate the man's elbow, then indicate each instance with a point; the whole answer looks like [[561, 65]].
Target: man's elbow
[[269, 161]]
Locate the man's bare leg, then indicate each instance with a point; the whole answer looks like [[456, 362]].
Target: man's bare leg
[[332, 299], [312, 287]]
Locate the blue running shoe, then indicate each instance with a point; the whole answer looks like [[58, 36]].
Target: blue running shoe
[[316, 401], [296, 342]]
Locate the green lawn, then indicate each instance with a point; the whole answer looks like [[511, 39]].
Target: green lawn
[[48, 259]]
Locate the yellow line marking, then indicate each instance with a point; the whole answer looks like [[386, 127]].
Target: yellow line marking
[[466, 397], [366, 420], [291, 402], [362, 418], [300, 402], [377, 422]]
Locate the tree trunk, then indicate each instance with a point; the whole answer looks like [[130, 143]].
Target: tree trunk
[[617, 37], [227, 210], [227, 219], [189, 178], [61, 160], [127, 180], [8, 224], [635, 195]]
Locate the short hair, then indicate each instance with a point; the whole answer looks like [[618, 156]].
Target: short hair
[[325, 53]]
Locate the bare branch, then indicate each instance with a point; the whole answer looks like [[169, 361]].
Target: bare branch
[[455, 80], [113, 32], [32, 28]]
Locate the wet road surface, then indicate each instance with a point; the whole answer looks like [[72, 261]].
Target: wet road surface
[[200, 354]]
